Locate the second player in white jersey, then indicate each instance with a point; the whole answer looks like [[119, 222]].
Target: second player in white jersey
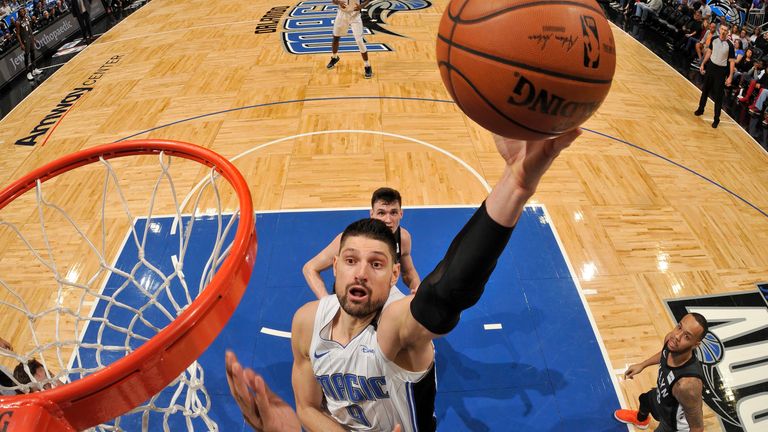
[[349, 6], [349, 16], [362, 388]]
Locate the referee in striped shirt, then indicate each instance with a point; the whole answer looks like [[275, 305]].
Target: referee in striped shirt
[[720, 63]]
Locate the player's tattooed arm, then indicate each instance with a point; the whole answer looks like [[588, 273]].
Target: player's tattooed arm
[[687, 391]]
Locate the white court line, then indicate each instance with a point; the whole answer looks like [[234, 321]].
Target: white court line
[[330, 209], [143, 36], [106, 277], [53, 66], [589, 291], [496, 326], [278, 333], [461, 162], [585, 305]]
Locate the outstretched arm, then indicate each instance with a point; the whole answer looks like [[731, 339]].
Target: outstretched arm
[[317, 264], [459, 279], [636, 368], [687, 391]]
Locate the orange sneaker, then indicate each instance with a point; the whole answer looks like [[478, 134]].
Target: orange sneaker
[[630, 417]]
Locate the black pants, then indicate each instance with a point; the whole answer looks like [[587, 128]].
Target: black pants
[[84, 19], [29, 55], [714, 82], [646, 406]]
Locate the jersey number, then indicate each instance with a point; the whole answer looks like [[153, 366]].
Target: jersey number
[[357, 413]]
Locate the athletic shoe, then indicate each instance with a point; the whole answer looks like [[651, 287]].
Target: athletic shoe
[[333, 62], [29, 76], [36, 72], [698, 112], [368, 72], [630, 417], [715, 123]]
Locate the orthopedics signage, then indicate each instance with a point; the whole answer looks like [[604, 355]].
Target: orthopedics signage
[[12, 64]]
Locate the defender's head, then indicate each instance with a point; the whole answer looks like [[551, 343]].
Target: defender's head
[[688, 333], [386, 206]]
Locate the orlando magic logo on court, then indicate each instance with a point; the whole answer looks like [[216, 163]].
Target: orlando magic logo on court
[[309, 27], [733, 356]]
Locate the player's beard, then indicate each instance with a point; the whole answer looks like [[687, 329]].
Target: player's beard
[[359, 310]]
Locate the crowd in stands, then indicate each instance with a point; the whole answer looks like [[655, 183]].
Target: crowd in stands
[[41, 12], [689, 26]]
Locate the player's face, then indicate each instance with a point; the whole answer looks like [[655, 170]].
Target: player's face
[[365, 271], [388, 212], [685, 336]]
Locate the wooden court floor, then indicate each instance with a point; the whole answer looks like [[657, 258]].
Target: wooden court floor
[[638, 224]]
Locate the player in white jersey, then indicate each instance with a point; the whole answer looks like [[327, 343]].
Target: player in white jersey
[[348, 16], [361, 357], [386, 205]]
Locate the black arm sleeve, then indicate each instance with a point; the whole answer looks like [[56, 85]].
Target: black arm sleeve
[[459, 279]]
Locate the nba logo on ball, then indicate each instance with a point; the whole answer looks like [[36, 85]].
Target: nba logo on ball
[[591, 42], [526, 69]]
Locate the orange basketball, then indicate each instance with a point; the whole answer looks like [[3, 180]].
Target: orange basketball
[[526, 69]]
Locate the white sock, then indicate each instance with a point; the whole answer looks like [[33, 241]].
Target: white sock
[[367, 63]]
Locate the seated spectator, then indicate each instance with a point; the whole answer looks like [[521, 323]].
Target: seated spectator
[[38, 9], [685, 8], [756, 5], [5, 8], [744, 39], [743, 67], [705, 10], [642, 10], [758, 82], [625, 6], [61, 7], [762, 43], [755, 35], [733, 32], [737, 51], [37, 377], [703, 43], [692, 32]]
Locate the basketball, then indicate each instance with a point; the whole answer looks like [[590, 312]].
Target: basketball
[[526, 69]]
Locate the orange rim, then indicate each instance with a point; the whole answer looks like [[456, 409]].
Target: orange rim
[[131, 380]]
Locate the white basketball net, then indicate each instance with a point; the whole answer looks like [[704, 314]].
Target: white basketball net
[[57, 260]]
